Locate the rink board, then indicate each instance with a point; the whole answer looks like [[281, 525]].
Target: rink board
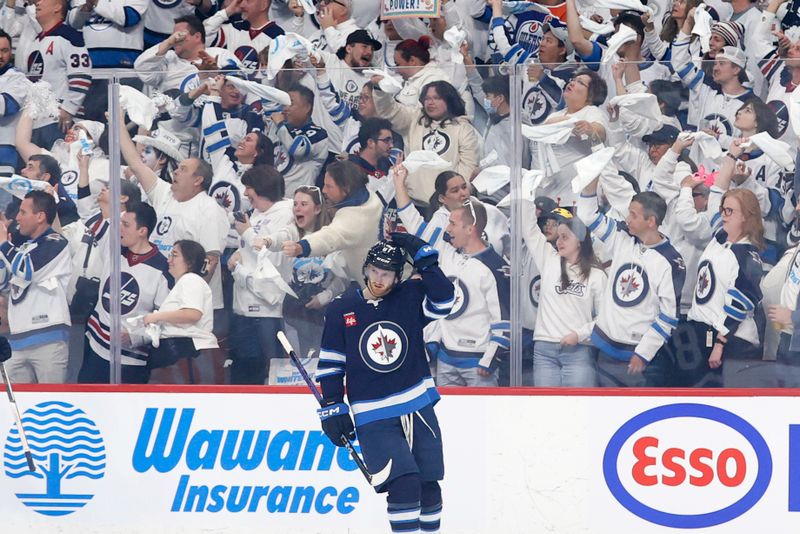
[[244, 460]]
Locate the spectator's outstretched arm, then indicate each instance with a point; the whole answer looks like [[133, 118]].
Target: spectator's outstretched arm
[[582, 45], [147, 178], [22, 137]]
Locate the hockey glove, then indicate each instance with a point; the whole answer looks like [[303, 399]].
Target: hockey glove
[[336, 422], [422, 254], [5, 349]]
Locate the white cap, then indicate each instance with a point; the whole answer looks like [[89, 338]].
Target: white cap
[[93, 128], [734, 54], [164, 140]]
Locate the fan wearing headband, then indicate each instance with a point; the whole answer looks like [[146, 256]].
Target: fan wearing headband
[[374, 338]]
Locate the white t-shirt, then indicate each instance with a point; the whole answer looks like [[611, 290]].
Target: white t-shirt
[[191, 291], [200, 219]]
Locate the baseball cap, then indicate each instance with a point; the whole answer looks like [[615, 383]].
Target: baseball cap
[[733, 54], [666, 135], [560, 33], [363, 37]]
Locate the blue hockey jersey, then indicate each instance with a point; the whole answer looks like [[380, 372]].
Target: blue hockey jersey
[[378, 346]]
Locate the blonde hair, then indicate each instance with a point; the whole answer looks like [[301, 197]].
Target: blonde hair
[[751, 210]]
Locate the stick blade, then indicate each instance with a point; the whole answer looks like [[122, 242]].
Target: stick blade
[[377, 479]]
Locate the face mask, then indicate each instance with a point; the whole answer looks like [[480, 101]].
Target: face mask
[[487, 105]]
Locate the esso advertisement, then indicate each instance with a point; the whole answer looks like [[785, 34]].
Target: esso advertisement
[[687, 466]]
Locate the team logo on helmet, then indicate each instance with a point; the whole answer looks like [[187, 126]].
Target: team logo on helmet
[[460, 299], [68, 178], [705, 282], [630, 285], [436, 141], [383, 346], [226, 195]]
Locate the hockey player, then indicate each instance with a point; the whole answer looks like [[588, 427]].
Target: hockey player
[[38, 273], [373, 337], [145, 282], [641, 305]]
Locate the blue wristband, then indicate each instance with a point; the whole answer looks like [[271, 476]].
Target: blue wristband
[[333, 410]]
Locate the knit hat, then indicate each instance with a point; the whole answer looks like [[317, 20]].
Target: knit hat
[[93, 128], [731, 32]]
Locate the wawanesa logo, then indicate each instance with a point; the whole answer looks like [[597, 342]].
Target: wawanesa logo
[[69, 454], [687, 466]]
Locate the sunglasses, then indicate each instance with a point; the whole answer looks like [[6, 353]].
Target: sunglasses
[[468, 202], [311, 189]]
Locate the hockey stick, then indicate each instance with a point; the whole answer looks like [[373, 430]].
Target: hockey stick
[[15, 410], [375, 479]]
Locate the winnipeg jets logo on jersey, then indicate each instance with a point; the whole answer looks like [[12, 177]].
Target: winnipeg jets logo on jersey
[[35, 65], [536, 105], [573, 288], [461, 299], [630, 285], [128, 293], [164, 225], [99, 24], [226, 195], [248, 56], [383, 346], [436, 141], [169, 4], [68, 178], [781, 113], [534, 290], [717, 123], [507, 27], [705, 282]]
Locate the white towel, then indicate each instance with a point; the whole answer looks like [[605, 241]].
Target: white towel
[[308, 7], [19, 186], [528, 185], [775, 149], [634, 5], [595, 27], [702, 27], [260, 90], [590, 167], [556, 133], [707, 144], [644, 104], [279, 53], [41, 101], [455, 37], [140, 108], [488, 159], [389, 84], [623, 35], [425, 158], [492, 179]]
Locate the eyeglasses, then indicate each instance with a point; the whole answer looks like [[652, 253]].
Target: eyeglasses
[[311, 189], [726, 211], [389, 140], [579, 82], [328, 2]]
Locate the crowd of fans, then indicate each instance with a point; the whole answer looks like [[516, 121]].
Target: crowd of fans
[[267, 145]]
